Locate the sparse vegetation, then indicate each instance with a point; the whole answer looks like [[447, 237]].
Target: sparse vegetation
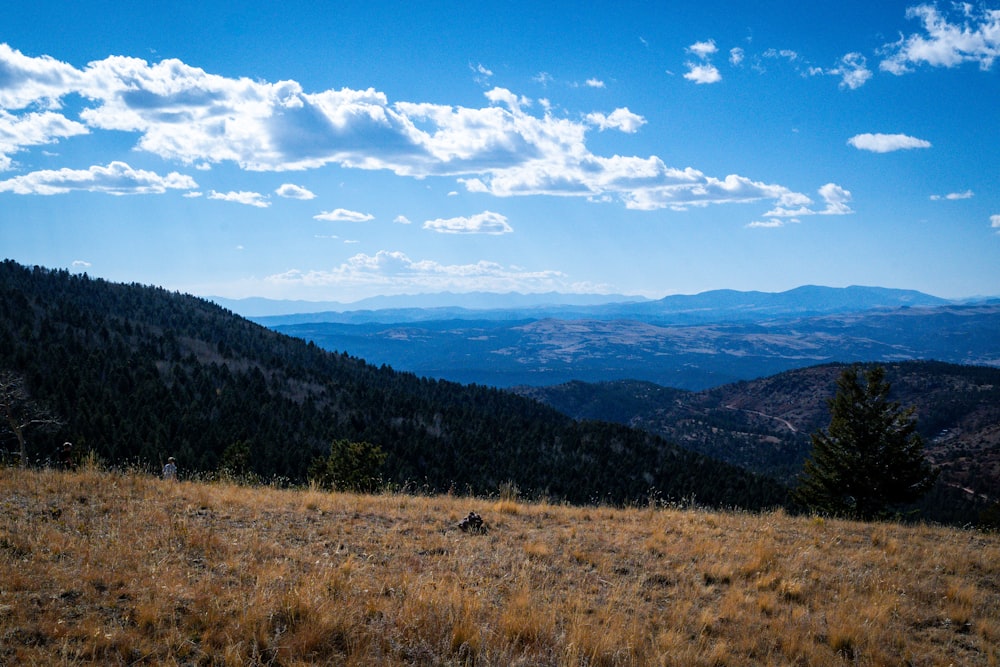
[[111, 568]]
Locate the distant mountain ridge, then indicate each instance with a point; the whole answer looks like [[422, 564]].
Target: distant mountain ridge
[[260, 307], [548, 351], [711, 306]]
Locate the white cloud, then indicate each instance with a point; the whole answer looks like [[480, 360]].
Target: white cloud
[[486, 222], [968, 194], [33, 129], [402, 220], [787, 54], [703, 49], [973, 37], [393, 271], [995, 222], [182, 113], [836, 201], [853, 70], [117, 178], [736, 56], [620, 119], [595, 83], [773, 223], [242, 197], [886, 143], [543, 78], [81, 264], [704, 73], [343, 215], [292, 191]]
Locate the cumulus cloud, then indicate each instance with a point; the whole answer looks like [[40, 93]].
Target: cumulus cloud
[[397, 272], [995, 222], [594, 83], [619, 119], [292, 191], [117, 178], [33, 129], [242, 197], [886, 143], [402, 220], [343, 215], [486, 222], [968, 194], [185, 114], [946, 41], [835, 198], [703, 73], [703, 49], [736, 56]]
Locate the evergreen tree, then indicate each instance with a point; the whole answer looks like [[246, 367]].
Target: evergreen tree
[[870, 458], [351, 466]]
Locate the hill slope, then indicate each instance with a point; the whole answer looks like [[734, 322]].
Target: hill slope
[[764, 424], [112, 569], [139, 373]]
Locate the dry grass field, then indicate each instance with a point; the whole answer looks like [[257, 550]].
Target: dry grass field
[[109, 568]]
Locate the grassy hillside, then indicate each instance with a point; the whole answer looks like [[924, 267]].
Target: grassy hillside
[[137, 374], [114, 569]]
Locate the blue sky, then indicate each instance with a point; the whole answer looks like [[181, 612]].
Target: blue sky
[[334, 151]]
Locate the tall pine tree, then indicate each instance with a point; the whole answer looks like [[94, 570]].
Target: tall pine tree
[[870, 459]]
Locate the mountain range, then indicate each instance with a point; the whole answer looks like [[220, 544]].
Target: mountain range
[[684, 342]]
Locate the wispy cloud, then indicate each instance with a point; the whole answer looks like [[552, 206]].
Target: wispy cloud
[[343, 215], [395, 272], [402, 220], [594, 83], [972, 35], [968, 194], [852, 70], [117, 178], [773, 223], [291, 191], [835, 198], [995, 222], [486, 222], [32, 129], [241, 197], [886, 143]]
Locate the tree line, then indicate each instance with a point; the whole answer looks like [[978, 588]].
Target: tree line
[[136, 374]]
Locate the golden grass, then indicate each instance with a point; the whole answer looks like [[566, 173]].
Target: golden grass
[[106, 568]]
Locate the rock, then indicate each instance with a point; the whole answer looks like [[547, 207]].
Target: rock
[[473, 524]]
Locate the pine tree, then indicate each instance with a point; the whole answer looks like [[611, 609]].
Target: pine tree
[[870, 459]]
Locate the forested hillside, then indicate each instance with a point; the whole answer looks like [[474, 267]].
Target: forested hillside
[[765, 424], [136, 374]]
